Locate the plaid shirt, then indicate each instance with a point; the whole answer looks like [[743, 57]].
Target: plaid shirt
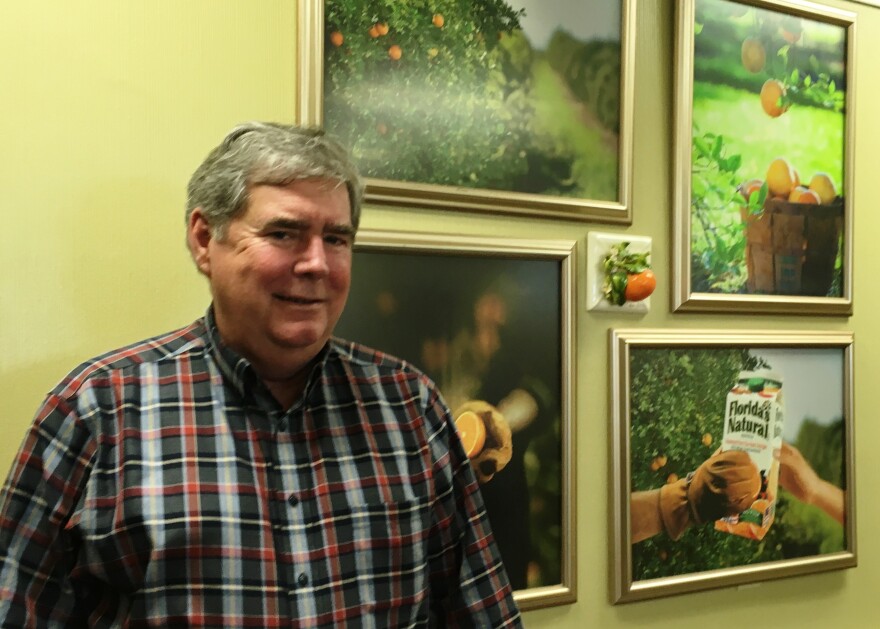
[[162, 485]]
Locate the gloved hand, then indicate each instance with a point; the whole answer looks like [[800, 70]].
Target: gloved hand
[[498, 449], [724, 484]]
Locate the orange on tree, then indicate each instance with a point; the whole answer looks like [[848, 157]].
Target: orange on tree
[[438, 20], [382, 28], [336, 38], [790, 37], [791, 29], [707, 439], [640, 285], [657, 462], [395, 52], [374, 31], [773, 98], [753, 55], [781, 178], [472, 432]]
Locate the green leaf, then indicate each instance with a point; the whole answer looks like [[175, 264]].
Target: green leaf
[[756, 201]]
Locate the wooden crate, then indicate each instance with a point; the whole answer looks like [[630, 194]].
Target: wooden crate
[[791, 247]]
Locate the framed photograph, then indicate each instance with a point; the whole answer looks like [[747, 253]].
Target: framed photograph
[[732, 458], [513, 106], [764, 146], [490, 321]]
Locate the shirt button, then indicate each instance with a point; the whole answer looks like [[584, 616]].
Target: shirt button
[[302, 580], [292, 500]]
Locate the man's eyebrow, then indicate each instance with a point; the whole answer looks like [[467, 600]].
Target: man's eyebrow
[[282, 222], [341, 229]]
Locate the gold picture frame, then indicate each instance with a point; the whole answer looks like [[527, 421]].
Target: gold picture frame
[[617, 138], [670, 396], [745, 89], [464, 310]]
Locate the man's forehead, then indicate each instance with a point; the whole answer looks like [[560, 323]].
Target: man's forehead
[[266, 208], [305, 188], [328, 184]]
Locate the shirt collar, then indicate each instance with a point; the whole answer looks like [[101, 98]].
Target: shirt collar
[[238, 371], [235, 368]]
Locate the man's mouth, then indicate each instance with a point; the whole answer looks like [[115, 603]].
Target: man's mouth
[[293, 299]]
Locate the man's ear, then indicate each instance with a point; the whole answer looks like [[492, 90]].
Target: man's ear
[[198, 237]]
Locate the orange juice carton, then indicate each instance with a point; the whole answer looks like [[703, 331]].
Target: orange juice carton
[[753, 420]]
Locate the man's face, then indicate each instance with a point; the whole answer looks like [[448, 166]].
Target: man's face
[[280, 276]]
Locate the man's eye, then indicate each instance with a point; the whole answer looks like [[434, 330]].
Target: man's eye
[[280, 235], [337, 241]]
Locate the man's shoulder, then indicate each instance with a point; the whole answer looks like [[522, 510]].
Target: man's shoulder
[[170, 346], [370, 358], [367, 372]]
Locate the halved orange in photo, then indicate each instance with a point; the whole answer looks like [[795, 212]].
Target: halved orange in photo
[[472, 432]]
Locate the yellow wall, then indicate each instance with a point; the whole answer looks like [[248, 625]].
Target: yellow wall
[[108, 106]]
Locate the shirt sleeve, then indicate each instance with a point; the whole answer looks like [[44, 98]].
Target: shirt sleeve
[[469, 585], [39, 495]]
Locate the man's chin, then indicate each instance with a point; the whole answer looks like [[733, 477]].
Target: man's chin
[[301, 337]]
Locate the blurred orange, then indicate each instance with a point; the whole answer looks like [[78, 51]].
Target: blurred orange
[[781, 177], [472, 432], [753, 55], [771, 94]]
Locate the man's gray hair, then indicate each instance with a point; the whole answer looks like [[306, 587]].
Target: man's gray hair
[[258, 153]]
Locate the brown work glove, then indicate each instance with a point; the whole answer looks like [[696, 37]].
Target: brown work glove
[[497, 451], [725, 483]]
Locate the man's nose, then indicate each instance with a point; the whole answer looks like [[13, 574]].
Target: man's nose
[[313, 258]]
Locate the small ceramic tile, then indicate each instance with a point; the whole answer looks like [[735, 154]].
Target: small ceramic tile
[[598, 246]]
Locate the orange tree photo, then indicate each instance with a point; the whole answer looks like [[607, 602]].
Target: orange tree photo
[[477, 94], [471, 92]]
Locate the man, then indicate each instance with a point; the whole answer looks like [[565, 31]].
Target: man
[[250, 470]]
